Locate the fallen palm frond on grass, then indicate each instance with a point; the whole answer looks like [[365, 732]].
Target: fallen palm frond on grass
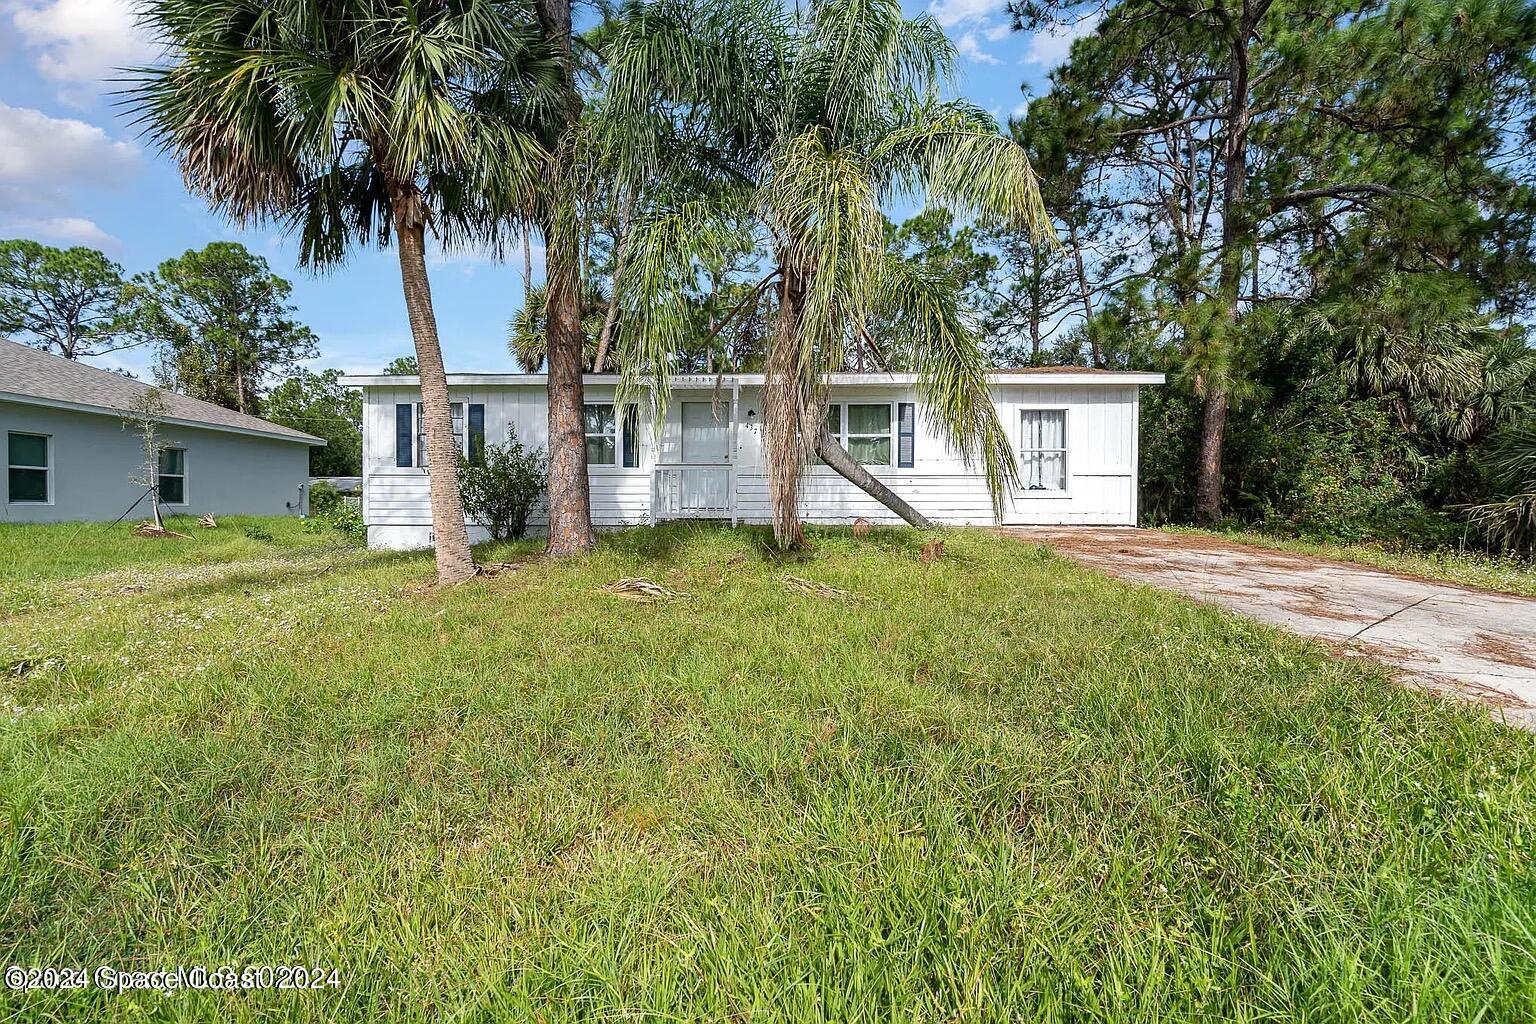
[[149, 529], [814, 588], [638, 588]]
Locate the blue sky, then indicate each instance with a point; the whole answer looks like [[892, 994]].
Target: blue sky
[[74, 172]]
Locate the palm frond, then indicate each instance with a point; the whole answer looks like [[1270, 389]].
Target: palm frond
[[951, 370]]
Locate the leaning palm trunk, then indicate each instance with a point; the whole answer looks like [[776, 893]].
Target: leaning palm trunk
[[449, 533], [836, 456]]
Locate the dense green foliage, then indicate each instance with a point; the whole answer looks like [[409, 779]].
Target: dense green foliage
[[223, 323], [501, 485], [317, 404], [1318, 221], [71, 302], [995, 786]]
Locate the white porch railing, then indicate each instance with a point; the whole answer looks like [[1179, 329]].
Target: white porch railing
[[691, 492]]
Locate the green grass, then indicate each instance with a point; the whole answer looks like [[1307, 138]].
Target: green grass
[[1508, 574], [998, 788]]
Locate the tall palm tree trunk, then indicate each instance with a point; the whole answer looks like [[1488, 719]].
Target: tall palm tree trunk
[[784, 407], [570, 502], [570, 498], [450, 536]]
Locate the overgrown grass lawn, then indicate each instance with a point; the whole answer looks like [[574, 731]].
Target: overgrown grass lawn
[[998, 788]]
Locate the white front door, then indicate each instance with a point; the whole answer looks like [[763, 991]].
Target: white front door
[[706, 441]]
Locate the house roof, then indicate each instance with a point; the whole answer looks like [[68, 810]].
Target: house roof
[[1056, 375], [34, 377]]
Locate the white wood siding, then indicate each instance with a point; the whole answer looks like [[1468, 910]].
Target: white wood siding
[[1101, 460]]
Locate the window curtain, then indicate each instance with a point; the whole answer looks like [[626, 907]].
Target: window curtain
[[1044, 459]]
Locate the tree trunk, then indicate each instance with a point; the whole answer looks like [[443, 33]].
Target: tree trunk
[[449, 534], [1233, 242], [1086, 295], [836, 456], [570, 502], [784, 405], [527, 263], [620, 258]]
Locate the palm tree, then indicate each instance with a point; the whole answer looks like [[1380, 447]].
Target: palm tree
[[813, 122], [358, 122], [556, 210]]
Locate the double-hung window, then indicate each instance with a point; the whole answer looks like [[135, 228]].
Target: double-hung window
[[1043, 449], [864, 429], [869, 434], [27, 462], [171, 478], [456, 410], [602, 430]]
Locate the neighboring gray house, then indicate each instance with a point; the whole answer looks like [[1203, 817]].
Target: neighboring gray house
[[70, 457]]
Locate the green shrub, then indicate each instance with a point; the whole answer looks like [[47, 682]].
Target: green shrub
[[500, 490], [323, 497], [342, 516]]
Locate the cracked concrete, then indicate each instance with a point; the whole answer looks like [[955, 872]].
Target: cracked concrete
[[1476, 645]]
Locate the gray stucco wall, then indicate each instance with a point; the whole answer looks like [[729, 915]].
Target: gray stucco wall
[[93, 457]]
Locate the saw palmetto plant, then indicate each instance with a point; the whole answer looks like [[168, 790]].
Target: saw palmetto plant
[[360, 122], [809, 124]]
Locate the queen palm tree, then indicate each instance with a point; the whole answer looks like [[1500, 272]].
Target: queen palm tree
[[359, 122], [814, 122]]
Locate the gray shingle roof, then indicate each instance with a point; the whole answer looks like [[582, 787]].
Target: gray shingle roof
[[32, 373]]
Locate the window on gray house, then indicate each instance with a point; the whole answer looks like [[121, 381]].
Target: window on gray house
[[172, 477], [27, 462]]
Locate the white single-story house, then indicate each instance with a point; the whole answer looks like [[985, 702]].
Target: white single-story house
[[70, 457], [1074, 431]]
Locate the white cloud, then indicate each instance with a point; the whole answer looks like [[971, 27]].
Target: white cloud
[[81, 42], [950, 13], [1002, 30], [1019, 109], [69, 230], [40, 158], [970, 48], [51, 152], [1051, 46]]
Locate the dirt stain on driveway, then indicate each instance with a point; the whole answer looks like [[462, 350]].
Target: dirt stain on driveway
[[1477, 645]]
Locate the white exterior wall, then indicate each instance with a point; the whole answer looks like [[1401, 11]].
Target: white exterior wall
[[1101, 460]]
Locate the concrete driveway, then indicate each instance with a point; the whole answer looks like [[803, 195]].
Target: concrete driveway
[[1477, 645]]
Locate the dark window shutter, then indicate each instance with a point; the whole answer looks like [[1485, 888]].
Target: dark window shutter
[[906, 430], [477, 434], [404, 435], [631, 436]]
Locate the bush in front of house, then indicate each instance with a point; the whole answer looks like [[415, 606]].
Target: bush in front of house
[[501, 487], [323, 497], [329, 510]]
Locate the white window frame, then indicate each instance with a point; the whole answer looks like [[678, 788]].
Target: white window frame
[[843, 434], [185, 474], [461, 435], [1065, 451], [47, 468], [617, 435]]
